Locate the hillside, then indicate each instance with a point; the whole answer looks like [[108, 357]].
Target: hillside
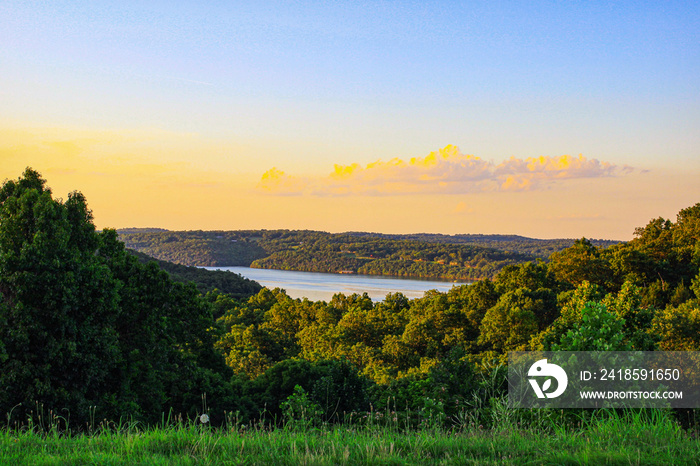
[[456, 257], [541, 248], [230, 283]]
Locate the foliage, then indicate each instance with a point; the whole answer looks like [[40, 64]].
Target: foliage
[[200, 248], [229, 283], [459, 257], [323, 252], [59, 301], [599, 330], [85, 326], [299, 410], [509, 325], [581, 262], [678, 328], [334, 386]]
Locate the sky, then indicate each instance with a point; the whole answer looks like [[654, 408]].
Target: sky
[[546, 119]]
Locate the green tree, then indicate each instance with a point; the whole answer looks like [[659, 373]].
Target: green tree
[[510, 324], [678, 327], [686, 241], [627, 304], [474, 301], [59, 302], [531, 275], [84, 324], [434, 326], [581, 262], [335, 386], [599, 330], [572, 304]]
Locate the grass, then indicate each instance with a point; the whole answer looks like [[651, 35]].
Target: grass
[[631, 438]]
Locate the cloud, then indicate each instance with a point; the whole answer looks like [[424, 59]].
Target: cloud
[[278, 182], [446, 171], [462, 208]]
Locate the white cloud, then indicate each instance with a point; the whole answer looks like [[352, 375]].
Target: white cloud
[[446, 171]]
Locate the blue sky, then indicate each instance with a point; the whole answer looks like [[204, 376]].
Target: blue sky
[[302, 86]]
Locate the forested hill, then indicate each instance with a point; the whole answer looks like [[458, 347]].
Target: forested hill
[[541, 248], [458, 257], [232, 284]]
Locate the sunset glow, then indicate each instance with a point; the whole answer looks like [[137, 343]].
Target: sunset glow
[[446, 171], [534, 119]]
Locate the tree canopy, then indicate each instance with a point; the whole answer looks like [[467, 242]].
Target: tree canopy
[[84, 325]]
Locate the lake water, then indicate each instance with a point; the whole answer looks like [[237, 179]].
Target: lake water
[[322, 286]]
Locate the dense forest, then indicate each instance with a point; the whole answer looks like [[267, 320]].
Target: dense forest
[[537, 248], [86, 328], [458, 257], [195, 248], [232, 284]]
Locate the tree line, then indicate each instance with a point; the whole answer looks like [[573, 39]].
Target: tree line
[[458, 257], [232, 284]]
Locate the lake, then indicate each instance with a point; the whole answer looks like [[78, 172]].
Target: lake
[[322, 286]]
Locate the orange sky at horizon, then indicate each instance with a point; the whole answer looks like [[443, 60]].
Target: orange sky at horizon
[[151, 179]]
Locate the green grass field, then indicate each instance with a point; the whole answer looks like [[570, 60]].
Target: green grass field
[[631, 438]]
